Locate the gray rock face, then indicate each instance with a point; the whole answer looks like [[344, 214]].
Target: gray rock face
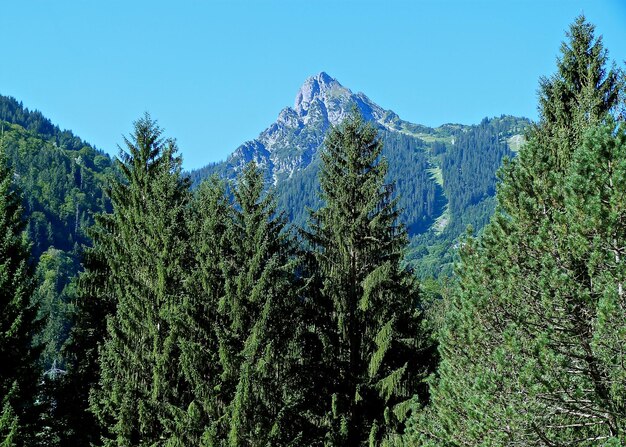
[[322, 95], [291, 142]]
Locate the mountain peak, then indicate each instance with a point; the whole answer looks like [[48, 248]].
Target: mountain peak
[[322, 79], [322, 87], [291, 143], [322, 76]]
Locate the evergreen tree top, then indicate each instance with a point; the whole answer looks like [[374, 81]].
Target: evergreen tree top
[[581, 92], [147, 152]]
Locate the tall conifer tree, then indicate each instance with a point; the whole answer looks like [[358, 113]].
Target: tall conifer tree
[[19, 371], [522, 358], [140, 385], [370, 324], [209, 217], [259, 321]]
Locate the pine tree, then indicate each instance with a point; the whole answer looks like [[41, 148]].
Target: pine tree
[[595, 207], [522, 358], [369, 320], [140, 385], [19, 370]]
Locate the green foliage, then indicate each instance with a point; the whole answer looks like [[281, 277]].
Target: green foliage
[[19, 372], [62, 187], [62, 178], [200, 321], [55, 295], [94, 304], [369, 321], [14, 112], [145, 255], [420, 197], [240, 350], [528, 357], [259, 320], [469, 168], [208, 219]]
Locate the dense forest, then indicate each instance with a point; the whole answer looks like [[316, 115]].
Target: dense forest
[[136, 310]]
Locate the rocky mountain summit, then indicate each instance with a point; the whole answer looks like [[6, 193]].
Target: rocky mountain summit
[[290, 143]]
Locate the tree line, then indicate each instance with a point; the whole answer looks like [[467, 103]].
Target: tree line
[[202, 318]]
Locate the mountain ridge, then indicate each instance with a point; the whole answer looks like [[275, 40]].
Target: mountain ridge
[[291, 141], [437, 193]]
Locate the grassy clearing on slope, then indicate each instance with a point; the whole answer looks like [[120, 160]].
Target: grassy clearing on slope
[[516, 142], [436, 175]]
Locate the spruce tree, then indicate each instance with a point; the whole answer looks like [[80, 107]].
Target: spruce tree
[[140, 385], [259, 322], [208, 220], [523, 358], [369, 320], [239, 348], [19, 370]]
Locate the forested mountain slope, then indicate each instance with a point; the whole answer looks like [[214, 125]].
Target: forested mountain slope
[[445, 176], [62, 179]]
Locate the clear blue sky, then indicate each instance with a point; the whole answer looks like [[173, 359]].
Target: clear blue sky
[[217, 73]]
